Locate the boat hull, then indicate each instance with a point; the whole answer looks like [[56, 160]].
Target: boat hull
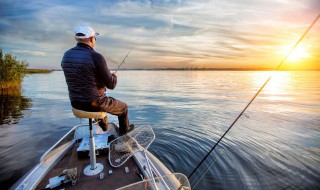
[[63, 155]]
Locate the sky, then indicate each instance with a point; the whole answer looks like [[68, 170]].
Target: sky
[[164, 33]]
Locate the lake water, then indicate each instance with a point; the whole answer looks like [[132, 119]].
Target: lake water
[[274, 145]]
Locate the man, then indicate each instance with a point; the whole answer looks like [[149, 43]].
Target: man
[[87, 76]]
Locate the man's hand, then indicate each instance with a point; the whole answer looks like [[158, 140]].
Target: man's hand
[[116, 74]]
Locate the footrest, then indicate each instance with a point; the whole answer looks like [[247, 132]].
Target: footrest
[[101, 145]]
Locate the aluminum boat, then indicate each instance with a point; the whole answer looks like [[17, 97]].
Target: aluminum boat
[[105, 161]]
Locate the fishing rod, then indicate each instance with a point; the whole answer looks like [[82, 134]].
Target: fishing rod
[[258, 92], [123, 60]]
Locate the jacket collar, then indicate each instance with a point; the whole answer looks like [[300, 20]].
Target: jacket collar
[[84, 45]]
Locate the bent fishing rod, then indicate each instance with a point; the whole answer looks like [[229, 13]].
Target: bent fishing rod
[[123, 60], [257, 93]]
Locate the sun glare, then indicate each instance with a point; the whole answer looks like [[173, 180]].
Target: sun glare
[[298, 54], [299, 58]]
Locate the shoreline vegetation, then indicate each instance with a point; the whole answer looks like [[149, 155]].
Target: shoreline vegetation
[[12, 72]]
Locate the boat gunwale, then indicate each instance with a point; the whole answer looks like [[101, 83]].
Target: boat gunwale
[[40, 170], [21, 184], [43, 157]]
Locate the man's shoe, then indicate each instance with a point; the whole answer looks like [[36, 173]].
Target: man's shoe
[[131, 127], [103, 126]]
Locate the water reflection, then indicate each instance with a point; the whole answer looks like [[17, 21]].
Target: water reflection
[[278, 86], [12, 104]]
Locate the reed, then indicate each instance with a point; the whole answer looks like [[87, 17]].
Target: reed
[[12, 72]]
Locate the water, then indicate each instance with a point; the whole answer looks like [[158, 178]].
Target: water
[[274, 145]]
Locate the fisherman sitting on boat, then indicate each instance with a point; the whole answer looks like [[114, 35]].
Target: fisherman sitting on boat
[[88, 76]]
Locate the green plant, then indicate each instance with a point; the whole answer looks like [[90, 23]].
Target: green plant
[[12, 71]]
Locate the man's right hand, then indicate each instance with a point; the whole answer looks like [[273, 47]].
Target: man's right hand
[[116, 74]]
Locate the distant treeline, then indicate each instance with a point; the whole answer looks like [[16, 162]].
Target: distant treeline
[[218, 69], [206, 69], [34, 71]]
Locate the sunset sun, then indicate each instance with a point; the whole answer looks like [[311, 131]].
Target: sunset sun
[[299, 59], [298, 54]]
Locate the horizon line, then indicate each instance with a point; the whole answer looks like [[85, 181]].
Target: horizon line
[[204, 69]]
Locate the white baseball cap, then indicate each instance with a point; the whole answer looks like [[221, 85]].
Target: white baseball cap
[[84, 31]]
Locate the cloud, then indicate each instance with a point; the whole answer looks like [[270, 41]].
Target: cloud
[[163, 33], [36, 53]]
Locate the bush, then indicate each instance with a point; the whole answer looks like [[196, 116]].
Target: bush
[[12, 71]]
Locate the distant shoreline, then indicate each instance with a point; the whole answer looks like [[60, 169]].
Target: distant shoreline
[[205, 69], [219, 69], [37, 71]]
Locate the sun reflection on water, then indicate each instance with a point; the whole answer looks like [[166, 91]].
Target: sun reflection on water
[[277, 87]]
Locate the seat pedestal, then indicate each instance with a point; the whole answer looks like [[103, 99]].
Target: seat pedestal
[[94, 168], [90, 172]]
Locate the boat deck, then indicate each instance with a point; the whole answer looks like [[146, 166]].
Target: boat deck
[[117, 179]]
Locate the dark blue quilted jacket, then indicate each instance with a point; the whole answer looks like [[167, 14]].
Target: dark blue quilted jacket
[[85, 70]]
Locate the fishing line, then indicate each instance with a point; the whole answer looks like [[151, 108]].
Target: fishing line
[[114, 62], [123, 61], [253, 98], [212, 162]]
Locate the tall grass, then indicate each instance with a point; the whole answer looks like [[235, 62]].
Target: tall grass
[[12, 72]]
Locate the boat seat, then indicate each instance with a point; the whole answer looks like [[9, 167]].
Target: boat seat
[[85, 114], [94, 168]]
